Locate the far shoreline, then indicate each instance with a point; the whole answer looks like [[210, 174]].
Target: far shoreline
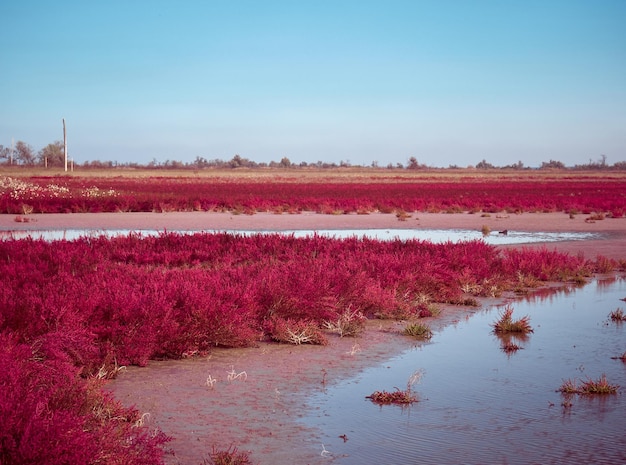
[[611, 245]]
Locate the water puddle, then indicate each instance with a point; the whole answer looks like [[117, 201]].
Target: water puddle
[[480, 405], [433, 235]]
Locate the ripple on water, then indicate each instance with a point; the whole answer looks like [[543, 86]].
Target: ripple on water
[[478, 405]]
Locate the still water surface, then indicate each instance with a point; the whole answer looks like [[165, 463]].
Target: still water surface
[[433, 235], [479, 406]]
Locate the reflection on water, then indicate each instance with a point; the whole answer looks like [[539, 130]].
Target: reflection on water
[[433, 235], [480, 405]]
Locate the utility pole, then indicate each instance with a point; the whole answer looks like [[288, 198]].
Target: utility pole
[[64, 145]]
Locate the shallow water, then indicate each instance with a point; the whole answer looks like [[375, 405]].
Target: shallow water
[[479, 405], [433, 235]]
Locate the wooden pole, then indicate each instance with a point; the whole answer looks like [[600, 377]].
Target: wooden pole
[[64, 144]]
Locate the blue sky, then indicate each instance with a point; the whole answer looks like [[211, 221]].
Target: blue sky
[[447, 82]]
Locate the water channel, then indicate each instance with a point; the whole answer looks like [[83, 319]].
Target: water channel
[[479, 405], [433, 235]]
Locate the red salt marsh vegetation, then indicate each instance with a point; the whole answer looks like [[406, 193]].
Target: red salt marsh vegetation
[[81, 309], [75, 312], [350, 191]]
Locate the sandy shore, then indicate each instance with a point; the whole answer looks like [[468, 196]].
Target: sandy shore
[[612, 241]]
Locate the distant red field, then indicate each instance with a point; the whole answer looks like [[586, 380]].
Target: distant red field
[[330, 193]]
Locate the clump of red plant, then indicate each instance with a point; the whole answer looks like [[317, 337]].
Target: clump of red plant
[[406, 396], [506, 324], [230, 456], [588, 387], [49, 414], [617, 315], [393, 397], [510, 347]]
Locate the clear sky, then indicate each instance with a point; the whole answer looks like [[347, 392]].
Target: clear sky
[[449, 82]]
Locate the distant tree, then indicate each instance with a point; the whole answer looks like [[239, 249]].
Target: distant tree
[[97, 164], [553, 164], [413, 164], [484, 165], [200, 162], [515, 166], [5, 153], [52, 154], [285, 163], [375, 164], [174, 164], [24, 153], [236, 161], [239, 162], [594, 165], [217, 163]]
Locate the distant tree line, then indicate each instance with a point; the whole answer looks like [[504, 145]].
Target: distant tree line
[[23, 154], [52, 155]]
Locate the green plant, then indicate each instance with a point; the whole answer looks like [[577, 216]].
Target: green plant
[[588, 387], [418, 330], [506, 324]]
